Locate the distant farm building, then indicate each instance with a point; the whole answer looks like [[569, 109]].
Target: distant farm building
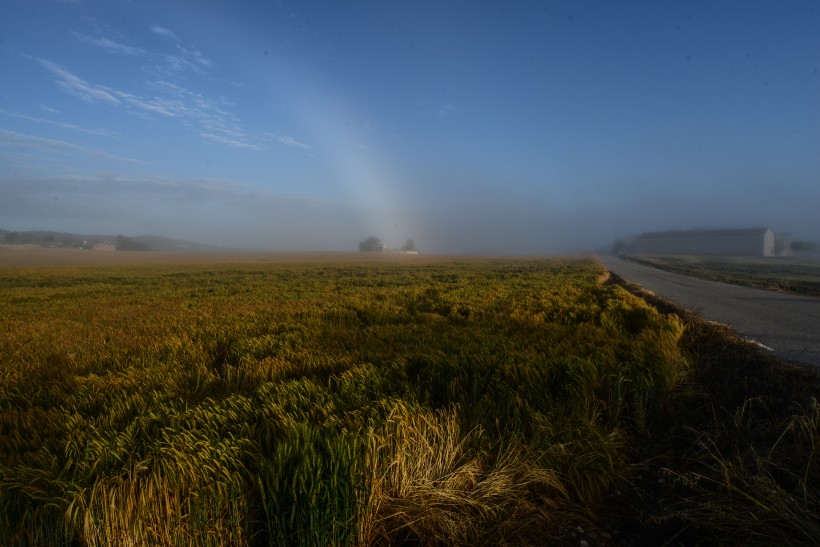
[[744, 242]]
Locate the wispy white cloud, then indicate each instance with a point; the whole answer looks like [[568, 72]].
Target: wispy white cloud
[[108, 45], [31, 142], [50, 110], [290, 141], [240, 85], [228, 141], [173, 101], [77, 86], [165, 33], [156, 105], [219, 124], [445, 110], [113, 183], [64, 125], [197, 57], [185, 59]]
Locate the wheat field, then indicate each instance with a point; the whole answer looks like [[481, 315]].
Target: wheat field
[[357, 401]]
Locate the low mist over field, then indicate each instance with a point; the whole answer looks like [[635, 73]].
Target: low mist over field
[[470, 128]]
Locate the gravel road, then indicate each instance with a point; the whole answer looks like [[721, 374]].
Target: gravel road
[[788, 324]]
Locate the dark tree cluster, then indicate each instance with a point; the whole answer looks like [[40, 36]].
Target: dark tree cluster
[[371, 245], [129, 244]]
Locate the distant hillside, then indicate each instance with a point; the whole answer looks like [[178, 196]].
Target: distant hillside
[[47, 238], [160, 243]]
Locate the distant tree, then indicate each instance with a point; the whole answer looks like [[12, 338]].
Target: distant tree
[[371, 245], [128, 244], [804, 246], [409, 245]]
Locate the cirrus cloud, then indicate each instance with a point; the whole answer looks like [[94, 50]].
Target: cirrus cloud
[[165, 33], [77, 86], [290, 141], [217, 125], [31, 142], [108, 45]]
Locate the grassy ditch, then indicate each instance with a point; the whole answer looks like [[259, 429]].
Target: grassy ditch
[[737, 460], [470, 401], [786, 274]]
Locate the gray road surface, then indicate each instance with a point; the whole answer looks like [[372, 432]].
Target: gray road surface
[[789, 324]]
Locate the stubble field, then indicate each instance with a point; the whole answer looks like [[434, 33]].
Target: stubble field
[[318, 400]]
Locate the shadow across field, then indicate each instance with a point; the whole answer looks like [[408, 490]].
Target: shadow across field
[[737, 461]]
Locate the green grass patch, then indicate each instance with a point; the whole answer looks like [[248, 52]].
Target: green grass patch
[[798, 275]]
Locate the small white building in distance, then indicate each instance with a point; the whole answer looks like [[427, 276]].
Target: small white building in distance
[[743, 242]]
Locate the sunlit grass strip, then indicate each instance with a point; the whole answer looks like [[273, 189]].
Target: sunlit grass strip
[[800, 275]]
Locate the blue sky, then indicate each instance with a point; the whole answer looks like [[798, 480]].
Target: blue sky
[[520, 127]]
